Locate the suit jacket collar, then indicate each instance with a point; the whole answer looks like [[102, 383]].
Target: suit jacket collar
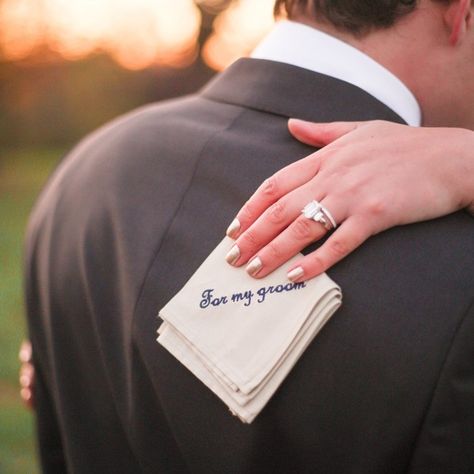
[[290, 91], [309, 48]]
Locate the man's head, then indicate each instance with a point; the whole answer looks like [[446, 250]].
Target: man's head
[[428, 44]]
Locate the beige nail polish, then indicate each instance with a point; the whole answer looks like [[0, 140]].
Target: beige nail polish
[[254, 266], [295, 274], [233, 255], [233, 229]]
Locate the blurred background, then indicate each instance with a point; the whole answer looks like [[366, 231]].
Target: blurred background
[[66, 67]]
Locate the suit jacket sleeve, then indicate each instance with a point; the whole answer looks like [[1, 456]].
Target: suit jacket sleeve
[[49, 439]]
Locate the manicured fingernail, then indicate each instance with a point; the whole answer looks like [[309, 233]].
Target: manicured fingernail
[[254, 267], [25, 380], [295, 274], [233, 229], [233, 255], [298, 121]]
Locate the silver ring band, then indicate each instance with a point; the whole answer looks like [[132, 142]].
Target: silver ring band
[[315, 211], [329, 216]]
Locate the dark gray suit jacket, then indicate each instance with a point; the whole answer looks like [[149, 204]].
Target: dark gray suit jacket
[[387, 386]]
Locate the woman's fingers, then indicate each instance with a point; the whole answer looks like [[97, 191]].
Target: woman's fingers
[[370, 179], [27, 374], [301, 232], [273, 221], [292, 176], [271, 190], [350, 235], [320, 134]]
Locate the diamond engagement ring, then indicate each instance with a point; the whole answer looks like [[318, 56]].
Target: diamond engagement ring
[[318, 213]]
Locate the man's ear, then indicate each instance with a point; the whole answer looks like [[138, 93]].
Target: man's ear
[[458, 19]]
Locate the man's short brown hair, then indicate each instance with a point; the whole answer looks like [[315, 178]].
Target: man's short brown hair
[[355, 16]]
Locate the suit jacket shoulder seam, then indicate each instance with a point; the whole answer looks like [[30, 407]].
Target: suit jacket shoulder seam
[[178, 207]]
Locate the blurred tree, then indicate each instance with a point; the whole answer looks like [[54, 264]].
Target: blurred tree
[[47, 101], [56, 103]]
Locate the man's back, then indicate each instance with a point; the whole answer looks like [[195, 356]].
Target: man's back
[[129, 217]]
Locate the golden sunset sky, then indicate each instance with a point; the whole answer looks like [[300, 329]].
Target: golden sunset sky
[[136, 33]]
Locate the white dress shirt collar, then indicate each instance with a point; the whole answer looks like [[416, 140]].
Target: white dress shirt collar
[[306, 47]]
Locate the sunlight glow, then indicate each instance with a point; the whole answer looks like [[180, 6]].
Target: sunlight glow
[[237, 31], [136, 33], [20, 32]]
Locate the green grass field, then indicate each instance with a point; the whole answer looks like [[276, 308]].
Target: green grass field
[[22, 174]]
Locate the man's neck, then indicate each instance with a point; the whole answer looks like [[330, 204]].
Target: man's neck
[[409, 51], [373, 44], [310, 48]]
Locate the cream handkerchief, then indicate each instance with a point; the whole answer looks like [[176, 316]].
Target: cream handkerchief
[[241, 336]]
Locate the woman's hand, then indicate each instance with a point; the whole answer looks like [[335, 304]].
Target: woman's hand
[[370, 175], [27, 374]]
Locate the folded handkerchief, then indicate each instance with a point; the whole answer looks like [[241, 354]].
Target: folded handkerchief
[[242, 336]]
